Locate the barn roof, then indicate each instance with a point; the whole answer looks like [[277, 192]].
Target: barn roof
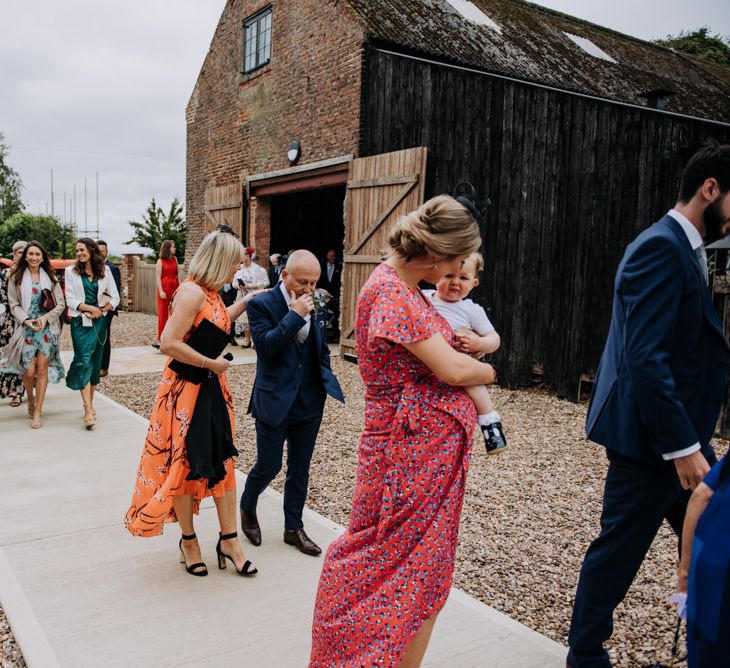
[[532, 43]]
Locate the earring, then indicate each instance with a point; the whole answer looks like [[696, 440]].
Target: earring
[[435, 266]]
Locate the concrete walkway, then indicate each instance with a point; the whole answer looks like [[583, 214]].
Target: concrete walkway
[[78, 590]]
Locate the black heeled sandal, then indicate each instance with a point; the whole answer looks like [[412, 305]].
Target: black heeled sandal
[[246, 569], [191, 569]]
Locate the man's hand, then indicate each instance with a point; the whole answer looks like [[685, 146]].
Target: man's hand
[[303, 305], [691, 469]]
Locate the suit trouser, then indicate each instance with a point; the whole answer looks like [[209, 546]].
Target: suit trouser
[[299, 429], [107, 354], [636, 499]]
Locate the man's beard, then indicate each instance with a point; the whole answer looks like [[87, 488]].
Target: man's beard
[[714, 222]]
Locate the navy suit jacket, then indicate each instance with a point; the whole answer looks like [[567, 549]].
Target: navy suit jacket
[[280, 361], [661, 380]]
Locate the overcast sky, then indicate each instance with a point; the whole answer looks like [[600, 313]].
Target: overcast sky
[[91, 86]]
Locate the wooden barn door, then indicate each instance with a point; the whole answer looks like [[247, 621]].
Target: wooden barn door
[[223, 205], [379, 189]]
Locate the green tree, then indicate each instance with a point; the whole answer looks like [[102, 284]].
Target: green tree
[[701, 44], [156, 226], [10, 185], [57, 238]]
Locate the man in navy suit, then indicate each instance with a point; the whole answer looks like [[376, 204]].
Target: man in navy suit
[[657, 394], [293, 377], [116, 274]]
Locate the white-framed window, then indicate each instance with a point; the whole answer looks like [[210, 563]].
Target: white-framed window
[[257, 40]]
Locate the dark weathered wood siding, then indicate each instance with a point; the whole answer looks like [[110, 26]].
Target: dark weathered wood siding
[[571, 179]]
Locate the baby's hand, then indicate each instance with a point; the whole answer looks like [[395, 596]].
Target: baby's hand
[[466, 341]]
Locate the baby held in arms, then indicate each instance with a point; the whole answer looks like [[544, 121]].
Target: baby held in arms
[[474, 335]]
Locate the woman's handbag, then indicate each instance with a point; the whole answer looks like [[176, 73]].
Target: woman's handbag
[[105, 299], [48, 301]]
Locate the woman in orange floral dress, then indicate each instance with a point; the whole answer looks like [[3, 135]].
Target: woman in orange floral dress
[[177, 471]]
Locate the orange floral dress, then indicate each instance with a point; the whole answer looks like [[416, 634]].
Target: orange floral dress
[[164, 466]]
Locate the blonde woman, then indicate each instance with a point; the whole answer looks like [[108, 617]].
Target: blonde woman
[[177, 470], [384, 581]]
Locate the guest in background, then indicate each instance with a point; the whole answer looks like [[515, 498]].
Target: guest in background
[[36, 302], [331, 280], [91, 294], [11, 384], [384, 581], [116, 274], [176, 472], [275, 269], [228, 294], [704, 570], [166, 274], [250, 278]]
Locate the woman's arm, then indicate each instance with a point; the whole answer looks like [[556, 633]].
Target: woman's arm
[[188, 302], [450, 366], [14, 303], [158, 279], [73, 299], [697, 504], [236, 309], [474, 343]]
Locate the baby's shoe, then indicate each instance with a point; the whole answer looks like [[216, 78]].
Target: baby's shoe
[[494, 438]]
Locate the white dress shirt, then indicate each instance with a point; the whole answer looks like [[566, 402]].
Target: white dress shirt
[[695, 240], [304, 331]]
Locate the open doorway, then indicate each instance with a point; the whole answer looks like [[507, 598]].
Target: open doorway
[[312, 219]]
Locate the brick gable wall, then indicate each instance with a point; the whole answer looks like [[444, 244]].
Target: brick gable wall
[[239, 125]]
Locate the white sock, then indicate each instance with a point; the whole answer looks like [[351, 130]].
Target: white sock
[[488, 418]]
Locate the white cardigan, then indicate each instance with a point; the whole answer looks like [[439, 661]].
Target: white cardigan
[[75, 295]]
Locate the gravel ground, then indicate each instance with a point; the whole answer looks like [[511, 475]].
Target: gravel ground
[[528, 517], [128, 329]]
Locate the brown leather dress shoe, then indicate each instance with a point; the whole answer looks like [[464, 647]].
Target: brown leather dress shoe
[[250, 527], [301, 541]]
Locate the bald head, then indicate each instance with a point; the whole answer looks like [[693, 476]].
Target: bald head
[[301, 273]]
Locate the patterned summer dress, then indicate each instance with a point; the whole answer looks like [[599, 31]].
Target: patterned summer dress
[[44, 342], [393, 567], [11, 384], [164, 466]]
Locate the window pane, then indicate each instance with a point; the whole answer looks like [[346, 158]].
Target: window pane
[[257, 41]]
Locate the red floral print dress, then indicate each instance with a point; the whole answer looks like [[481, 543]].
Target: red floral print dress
[[393, 567], [163, 467]]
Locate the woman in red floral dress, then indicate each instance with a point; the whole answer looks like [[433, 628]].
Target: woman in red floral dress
[[384, 581]]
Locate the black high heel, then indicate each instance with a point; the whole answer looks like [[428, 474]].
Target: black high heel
[[222, 556], [191, 569]]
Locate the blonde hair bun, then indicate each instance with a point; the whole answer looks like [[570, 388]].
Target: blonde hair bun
[[441, 226]]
